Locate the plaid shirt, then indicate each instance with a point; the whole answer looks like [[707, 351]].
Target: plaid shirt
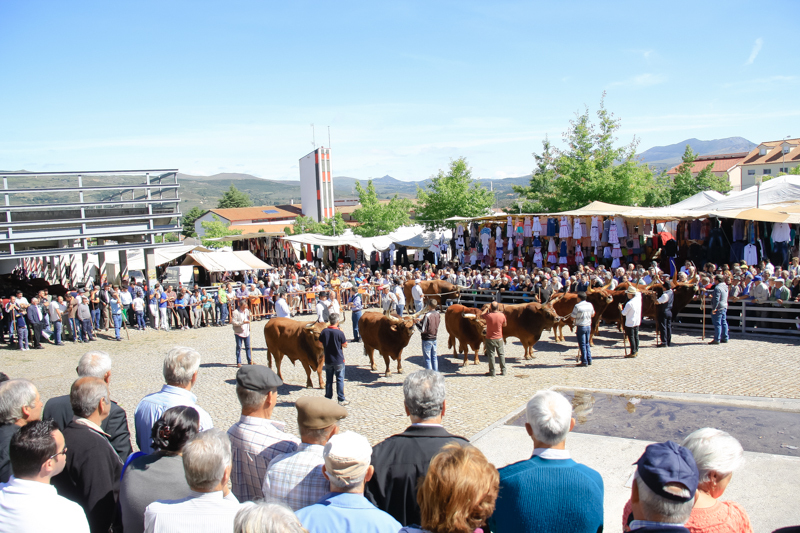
[[296, 478], [254, 443]]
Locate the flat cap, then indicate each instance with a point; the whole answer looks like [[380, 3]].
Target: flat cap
[[258, 378], [315, 412]]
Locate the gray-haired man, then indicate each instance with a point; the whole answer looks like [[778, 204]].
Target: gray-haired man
[[402, 459], [20, 404]]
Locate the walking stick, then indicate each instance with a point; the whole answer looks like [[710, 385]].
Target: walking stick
[[624, 342], [703, 305]]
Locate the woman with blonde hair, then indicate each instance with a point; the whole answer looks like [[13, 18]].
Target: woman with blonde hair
[[458, 493]]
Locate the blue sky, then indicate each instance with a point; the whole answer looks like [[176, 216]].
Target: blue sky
[[233, 86]]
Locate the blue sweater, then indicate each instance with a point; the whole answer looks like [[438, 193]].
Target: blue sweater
[[548, 495]]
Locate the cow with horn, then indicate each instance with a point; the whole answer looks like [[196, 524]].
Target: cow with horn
[[387, 333], [437, 288], [466, 326], [298, 342]]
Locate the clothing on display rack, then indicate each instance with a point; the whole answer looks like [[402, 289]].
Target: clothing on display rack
[[527, 227], [536, 228], [577, 230], [594, 232], [564, 232]]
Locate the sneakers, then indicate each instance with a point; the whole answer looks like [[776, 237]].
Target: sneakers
[[632, 355], [344, 403], [714, 342]]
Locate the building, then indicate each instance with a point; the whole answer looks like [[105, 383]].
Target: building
[[316, 184], [770, 159], [725, 166], [265, 218]]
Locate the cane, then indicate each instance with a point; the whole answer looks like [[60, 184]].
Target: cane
[[624, 338], [703, 306]]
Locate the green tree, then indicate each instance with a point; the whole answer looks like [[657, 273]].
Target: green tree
[[233, 197], [189, 220], [686, 184], [302, 224], [334, 225], [590, 168], [377, 219], [168, 237], [450, 194], [794, 171], [215, 229]]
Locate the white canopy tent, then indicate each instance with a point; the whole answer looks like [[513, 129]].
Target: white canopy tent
[[217, 261], [701, 199], [780, 191]]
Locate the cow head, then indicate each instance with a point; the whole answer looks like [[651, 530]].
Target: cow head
[[404, 326], [549, 313], [477, 322], [487, 308], [311, 333]]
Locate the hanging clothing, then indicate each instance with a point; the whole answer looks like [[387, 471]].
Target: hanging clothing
[[564, 232], [579, 255], [509, 228], [613, 237], [594, 232], [577, 230], [526, 232], [536, 229], [781, 232], [562, 254]]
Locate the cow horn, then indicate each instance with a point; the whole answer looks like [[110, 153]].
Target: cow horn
[[394, 319], [310, 325], [693, 278], [466, 288], [468, 315], [556, 298], [607, 285]]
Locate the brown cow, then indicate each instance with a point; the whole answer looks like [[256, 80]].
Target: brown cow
[[599, 298], [465, 325], [388, 334], [298, 341], [526, 322], [442, 290]]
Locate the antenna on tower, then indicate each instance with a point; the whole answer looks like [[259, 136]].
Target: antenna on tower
[[329, 137], [313, 137]]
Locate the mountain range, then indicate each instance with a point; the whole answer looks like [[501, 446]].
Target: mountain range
[[666, 157]]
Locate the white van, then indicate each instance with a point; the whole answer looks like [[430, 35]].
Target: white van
[[181, 276]]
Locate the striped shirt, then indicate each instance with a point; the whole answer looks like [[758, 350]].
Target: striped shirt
[[199, 513], [254, 443], [582, 313], [296, 478]]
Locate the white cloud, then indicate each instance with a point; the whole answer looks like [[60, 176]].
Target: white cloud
[[754, 52], [640, 81]]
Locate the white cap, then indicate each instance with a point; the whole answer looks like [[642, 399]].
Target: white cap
[[347, 456]]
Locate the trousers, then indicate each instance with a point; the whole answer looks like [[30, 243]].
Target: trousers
[[338, 372], [720, 320], [633, 337], [665, 327], [492, 346], [429, 353], [355, 318], [243, 341], [583, 333]]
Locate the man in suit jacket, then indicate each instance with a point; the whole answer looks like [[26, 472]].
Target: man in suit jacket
[[37, 323], [401, 460], [98, 365]]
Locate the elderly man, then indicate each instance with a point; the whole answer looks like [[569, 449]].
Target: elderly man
[[91, 476], [94, 364], [180, 373], [402, 459], [664, 487], [429, 328], [36, 320], [210, 507], [345, 509], [20, 404], [582, 314], [323, 307], [296, 478], [719, 310], [28, 502], [541, 493], [632, 312], [417, 295], [255, 439]]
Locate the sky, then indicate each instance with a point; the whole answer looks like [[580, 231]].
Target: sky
[[405, 87]]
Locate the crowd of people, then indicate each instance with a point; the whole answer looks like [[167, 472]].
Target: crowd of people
[[79, 473]]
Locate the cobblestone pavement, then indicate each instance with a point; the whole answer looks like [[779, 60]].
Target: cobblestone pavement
[[747, 366]]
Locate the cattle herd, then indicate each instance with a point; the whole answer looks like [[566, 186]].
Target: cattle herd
[[389, 334]]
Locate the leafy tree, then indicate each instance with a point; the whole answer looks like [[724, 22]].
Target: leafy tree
[[794, 171], [189, 219], [215, 229], [685, 184], [334, 225], [452, 194], [377, 219], [233, 197], [302, 225], [590, 168], [168, 237]]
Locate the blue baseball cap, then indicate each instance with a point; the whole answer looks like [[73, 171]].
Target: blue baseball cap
[[758, 278], [667, 462]]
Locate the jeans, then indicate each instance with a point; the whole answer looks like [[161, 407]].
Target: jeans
[[75, 329], [22, 335], [239, 342], [720, 320], [399, 309], [57, 328], [338, 370], [583, 333], [782, 251], [223, 315], [140, 320], [418, 305], [86, 326], [665, 327], [492, 346], [208, 316], [117, 319], [429, 353], [355, 318], [633, 336], [96, 318]]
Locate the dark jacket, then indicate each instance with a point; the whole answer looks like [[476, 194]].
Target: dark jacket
[[34, 315], [116, 425], [6, 432], [429, 326], [91, 477], [400, 461]]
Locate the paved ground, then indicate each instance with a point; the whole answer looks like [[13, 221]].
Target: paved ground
[[747, 366]]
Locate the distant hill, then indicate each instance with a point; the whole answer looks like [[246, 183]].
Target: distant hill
[[665, 157]]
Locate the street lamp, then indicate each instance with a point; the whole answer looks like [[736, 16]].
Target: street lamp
[[759, 180]]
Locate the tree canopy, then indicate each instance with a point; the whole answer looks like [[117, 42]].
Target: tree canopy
[[686, 184], [377, 219], [454, 193], [330, 226], [591, 168], [215, 229], [189, 220], [233, 197]]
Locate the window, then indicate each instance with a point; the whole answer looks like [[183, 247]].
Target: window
[[767, 171], [784, 169], [751, 172], [762, 151]]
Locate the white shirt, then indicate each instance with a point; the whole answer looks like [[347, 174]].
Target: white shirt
[[33, 507], [633, 311], [202, 512], [550, 453], [401, 297], [282, 308], [416, 293]]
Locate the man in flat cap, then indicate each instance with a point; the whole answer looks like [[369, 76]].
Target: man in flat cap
[[662, 495], [296, 478], [255, 439], [344, 508]]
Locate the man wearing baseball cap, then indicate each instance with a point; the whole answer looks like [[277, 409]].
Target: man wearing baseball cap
[[664, 488], [255, 439], [347, 467], [296, 478]]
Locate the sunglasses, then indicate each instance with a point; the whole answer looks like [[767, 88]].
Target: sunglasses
[[62, 452]]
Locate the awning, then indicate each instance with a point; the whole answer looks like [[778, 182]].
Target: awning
[[251, 260], [217, 261]]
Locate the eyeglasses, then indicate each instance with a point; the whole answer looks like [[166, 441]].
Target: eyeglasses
[[62, 452]]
